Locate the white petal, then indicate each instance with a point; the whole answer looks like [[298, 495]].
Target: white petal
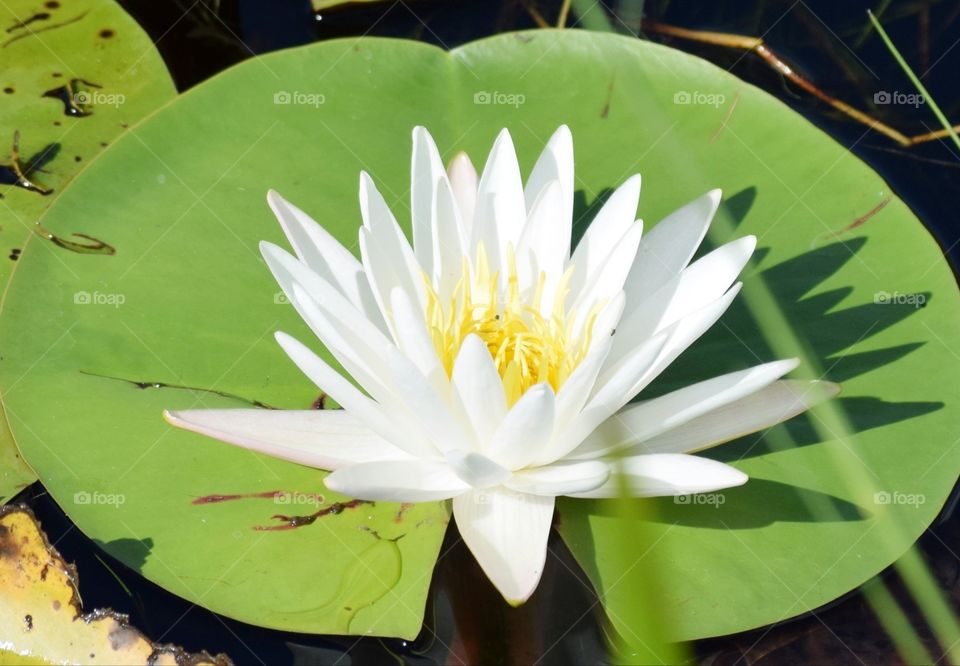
[[464, 181], [763, 409], [544, 245], [344, 336], [412, 336], [426, 170], [350, 398], [668, 247], [663, 474], [607, 281], [607, 399], [554, 164], [578, 387], [364, 362], [325, 256], [450, 242], [610, 224], [681, 334], [507, 533], [397, 481], [701, 282], [391, 378], [325, 439], [388, 260], [289, 272], [478, 383], [476, 469], [501, 212], [560, 478], [442, 418], [526, 429], [644, 420]]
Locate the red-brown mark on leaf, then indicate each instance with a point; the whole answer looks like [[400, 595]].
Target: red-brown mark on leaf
[[863, 218], [269, 494], [293, 522], [404, 507]]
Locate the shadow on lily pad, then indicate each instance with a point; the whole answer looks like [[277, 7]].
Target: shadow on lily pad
[[132, 552], [758, 503]]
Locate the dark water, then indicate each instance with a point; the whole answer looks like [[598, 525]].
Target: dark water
[[467, 621]]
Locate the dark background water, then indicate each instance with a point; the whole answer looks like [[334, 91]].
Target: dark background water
[[828, 43]]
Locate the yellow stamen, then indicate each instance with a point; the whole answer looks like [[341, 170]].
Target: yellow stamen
[[527, 348]]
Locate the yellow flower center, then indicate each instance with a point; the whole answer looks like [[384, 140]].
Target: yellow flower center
[[527, 347]]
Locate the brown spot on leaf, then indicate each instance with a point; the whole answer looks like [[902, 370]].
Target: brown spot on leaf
[[293, 522]]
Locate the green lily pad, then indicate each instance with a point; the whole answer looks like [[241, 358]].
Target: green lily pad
[[187, 302], [75, 74]]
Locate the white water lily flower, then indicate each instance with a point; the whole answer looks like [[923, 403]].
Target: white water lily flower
[[497, 364]]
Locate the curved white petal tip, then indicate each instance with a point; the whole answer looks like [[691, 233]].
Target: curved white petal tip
[[507, 533]]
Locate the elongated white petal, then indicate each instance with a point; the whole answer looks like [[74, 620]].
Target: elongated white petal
[[388, 375], [325, 256], [668, 247], [412, 335], [350, 398], [610, 224], [525, 431], [555, 164], [426, 170], [606, 400], [680, 334], [763, 409], [387, 257], [607, 281], [476, 469], [507, 533], [440, 415], [464, 181], [358, 354], [662, 474], [365, 363], [289, 272], [450, 242], [479, 386], [325, 439], [500, 212], [544, 245], [397, 481], [560, 478], [575, 392], [644, 420], [701, 282]]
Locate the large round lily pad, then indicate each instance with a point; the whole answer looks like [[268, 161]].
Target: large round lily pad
[[187, 301], [74, 76]]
